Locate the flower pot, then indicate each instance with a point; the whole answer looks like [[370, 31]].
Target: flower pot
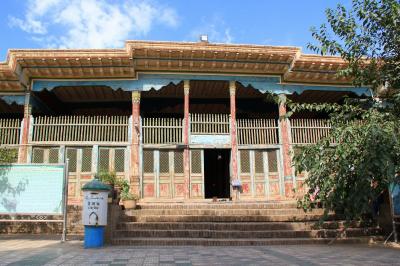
[[129, 204]]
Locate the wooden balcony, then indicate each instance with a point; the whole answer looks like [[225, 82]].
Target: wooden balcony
[[10, 130], [115, 130]]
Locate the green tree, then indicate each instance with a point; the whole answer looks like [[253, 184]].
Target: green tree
[[350, 168], [8, 155], [367, 36]]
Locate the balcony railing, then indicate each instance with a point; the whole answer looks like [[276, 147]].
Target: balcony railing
[[9, 131], [213, 124], [162, 130], [115, 129], [308, 131], [80, 129], [257, 131]]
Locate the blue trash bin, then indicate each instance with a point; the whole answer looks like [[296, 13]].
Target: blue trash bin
[[94, 236]]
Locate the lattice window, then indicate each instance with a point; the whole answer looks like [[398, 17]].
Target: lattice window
[[258, 162], [86, 160], [53, 155], [119, 160], [38, 155], [245, 161], [104, 160], [272, 161], [178, 162], [196, 162], [164, 162], [72, 156], [148, 161]]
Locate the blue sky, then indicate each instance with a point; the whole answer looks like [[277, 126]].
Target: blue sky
[[107, 23]]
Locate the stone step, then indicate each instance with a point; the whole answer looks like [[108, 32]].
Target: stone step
[[221, 212], [351, 232], [238, 242], [226, 218], [220, 205], [233, 226]]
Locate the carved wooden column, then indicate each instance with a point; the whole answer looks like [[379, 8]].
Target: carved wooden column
[[285, 140], [135, 143], [26, 123], [186, 128], [234, 151]]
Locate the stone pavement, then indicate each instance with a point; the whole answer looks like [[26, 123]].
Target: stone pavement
[[30, 251]]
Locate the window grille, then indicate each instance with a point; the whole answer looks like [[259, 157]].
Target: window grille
[[104, 160], [245, 161], [164, 162], [86, 160], [38, 155], [72, 156], [196, 162], [53, 155], [272, 161], [178, 162], [148, 161], [119, 160], [258, 162]]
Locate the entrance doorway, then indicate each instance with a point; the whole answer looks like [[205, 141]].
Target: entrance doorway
[[216, 173]]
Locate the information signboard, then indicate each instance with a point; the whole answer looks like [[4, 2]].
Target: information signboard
[[31, 189], [395, 195]]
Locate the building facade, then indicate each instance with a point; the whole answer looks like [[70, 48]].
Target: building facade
[[180, 121]]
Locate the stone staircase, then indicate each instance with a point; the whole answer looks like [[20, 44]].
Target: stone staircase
[[233, 224]]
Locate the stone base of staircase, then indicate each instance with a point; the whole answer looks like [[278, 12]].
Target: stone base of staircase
[[235, 224]]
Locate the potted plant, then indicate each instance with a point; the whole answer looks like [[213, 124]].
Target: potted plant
[[121, 184], [108, 178], [128, 199]]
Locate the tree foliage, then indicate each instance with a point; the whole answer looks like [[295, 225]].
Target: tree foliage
[[350, 168], [367, 36], [8, 155]]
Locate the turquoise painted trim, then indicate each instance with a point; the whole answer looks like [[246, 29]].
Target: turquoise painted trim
[[288, 178], [146, 82], [210, 139], [39, 85], [16, 99]]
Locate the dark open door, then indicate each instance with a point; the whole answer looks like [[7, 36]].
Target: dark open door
[[216, 173]]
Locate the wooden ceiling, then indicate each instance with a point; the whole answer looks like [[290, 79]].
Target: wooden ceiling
[[144, 56]]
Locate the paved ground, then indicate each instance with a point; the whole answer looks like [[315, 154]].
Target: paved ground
[[52, 252]]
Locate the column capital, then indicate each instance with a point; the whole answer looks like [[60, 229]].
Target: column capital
[[232, 87], [186, 87], [135, 96]]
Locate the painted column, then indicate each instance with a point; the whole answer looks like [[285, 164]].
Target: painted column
[[285, 141], [23, 148], [234, 151], [135, 143], [186, 129]]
